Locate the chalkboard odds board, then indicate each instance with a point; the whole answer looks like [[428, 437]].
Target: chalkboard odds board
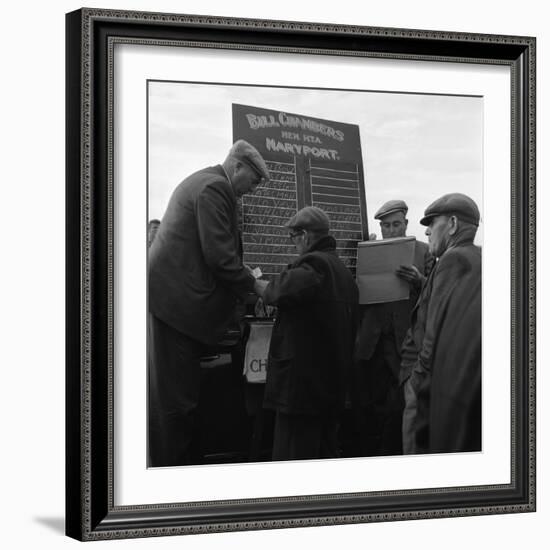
[[311, 162]]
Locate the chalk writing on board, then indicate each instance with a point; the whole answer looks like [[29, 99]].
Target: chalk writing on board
[[311, 162]]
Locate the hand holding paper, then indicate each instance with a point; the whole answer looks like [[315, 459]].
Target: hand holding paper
[[256, 272], [410, 274]]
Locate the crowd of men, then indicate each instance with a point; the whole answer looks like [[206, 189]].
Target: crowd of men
[[411, 369]]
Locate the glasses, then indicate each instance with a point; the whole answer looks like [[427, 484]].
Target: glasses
[[293, 234]]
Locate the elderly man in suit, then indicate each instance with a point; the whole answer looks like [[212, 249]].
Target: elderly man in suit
[[196, 280], [377, 396], [442, 352]]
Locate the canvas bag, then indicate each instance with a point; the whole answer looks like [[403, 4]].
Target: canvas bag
[[257, 349]]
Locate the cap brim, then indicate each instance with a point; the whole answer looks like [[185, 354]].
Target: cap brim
[[254, 167], [289, 224], [426, 220], [392, 211]]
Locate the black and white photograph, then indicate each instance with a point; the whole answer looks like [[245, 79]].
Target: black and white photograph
[[242, 250], [301, 266], [314, 273]]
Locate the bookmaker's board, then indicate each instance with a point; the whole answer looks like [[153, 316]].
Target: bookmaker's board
[[311, 162]]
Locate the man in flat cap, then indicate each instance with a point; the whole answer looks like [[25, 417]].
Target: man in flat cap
[[312, 342], [442, 350], [377, 396], [196, 280]]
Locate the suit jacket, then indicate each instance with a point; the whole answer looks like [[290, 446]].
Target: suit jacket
[[311, 346], [442, 352], [196, 274], [391, 316]]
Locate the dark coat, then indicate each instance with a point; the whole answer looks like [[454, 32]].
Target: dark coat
[[196, 274], [313, 337], [393, 316], [443, 354]]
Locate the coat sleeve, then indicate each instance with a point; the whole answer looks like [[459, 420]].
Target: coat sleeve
[[445, 281], [294, 286], [429, 261], [214, 214]]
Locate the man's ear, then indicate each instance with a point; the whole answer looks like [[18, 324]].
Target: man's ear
[[453, 225], [237, 167], [406, 222]]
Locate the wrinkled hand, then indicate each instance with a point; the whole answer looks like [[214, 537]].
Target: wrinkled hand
[[410, 274], [372, 236], [259, 287]]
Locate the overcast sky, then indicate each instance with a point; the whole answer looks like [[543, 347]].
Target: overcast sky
[[415, 147]]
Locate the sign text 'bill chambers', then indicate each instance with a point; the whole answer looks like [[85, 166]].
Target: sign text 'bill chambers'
[[281, 132]]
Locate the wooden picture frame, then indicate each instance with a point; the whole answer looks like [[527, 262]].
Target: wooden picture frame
[[91, 331]]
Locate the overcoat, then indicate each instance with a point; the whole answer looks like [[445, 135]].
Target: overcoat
[[312, 343], [442, 352], [196, 274]]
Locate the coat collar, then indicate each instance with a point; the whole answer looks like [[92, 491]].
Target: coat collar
[[221, 170], [324, 244]]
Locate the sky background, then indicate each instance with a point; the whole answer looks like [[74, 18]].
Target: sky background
[[416, 147]]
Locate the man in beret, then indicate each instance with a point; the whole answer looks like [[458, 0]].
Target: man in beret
[[442, 350], [377, 396], [312, 342], [196, 280]]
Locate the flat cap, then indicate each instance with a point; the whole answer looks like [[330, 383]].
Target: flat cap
[[311, 218], [243, 151], [457, 204], [390, 207]]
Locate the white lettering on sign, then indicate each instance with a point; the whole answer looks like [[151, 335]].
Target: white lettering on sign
[[290, 135], [312, 139], [297, 149], [257, 122], [263, 121], [288, 121]]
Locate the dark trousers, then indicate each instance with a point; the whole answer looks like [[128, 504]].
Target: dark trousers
[[305, 437], [378, 401], [174, 384]]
